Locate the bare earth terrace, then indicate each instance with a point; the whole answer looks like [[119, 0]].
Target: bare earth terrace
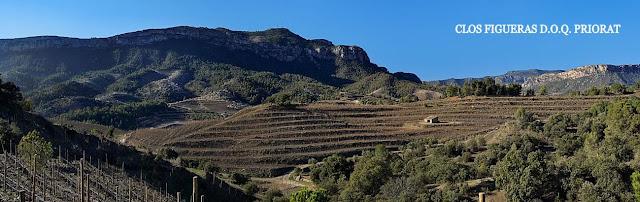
[[268, 140]]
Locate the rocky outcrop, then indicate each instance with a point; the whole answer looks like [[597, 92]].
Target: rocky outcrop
[[559, 81], [169, 89], [511, 77], [277, 44], [521, 76], [576, 73], [350, 53], [582, 78], [179, 63]]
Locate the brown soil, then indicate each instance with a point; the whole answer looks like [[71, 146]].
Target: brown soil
[[269, 141]]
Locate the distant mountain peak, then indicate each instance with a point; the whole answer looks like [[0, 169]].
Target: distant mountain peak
[[280, 31], [584, 77], [177, 63], [511, 77]]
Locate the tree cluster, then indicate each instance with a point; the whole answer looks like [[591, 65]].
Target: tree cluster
[[484, 87], [592, 156], [380, 175], [123, 116], [613, 89], [11, 97]]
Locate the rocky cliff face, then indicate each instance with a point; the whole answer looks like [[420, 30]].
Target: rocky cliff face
[[582, 78], [521, 76], [511, 77], [180, 63], [559, 81], [268, 49]]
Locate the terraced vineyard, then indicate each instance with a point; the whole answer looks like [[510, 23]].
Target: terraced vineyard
[[269, 140]]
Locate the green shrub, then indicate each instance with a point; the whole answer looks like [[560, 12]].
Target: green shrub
[[168, 153], [33, 145], [466, 157], [250, 188], [273, 195], [452, 91], [306, 195], [408, 98], [282, 100], [524, 176], [208, 166], [295, 173], [332, 169], [618, 89], [635, 184], [239, 178], [542, 90]]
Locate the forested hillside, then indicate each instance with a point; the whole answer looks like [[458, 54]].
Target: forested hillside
[[80, 77], [29, 136], [591, 156]]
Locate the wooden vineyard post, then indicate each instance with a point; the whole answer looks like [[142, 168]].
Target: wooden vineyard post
[[21, 196], [4, 182], [129, 184], [87, 188], [6, 164], [44, 182], [194, 193], [51, 184], [33, 181], [15, 165], [80, 176], [178, 196], [117, 186], [86, 184], [146, 193]]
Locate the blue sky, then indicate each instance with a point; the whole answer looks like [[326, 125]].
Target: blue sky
[[410, 36]]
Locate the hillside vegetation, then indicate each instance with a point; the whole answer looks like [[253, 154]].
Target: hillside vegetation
[[110, 164], [588, 156], [82, 76], [270, 140]]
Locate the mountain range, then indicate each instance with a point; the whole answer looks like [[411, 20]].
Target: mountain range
[[517, 77], [562, 81], [198, 70], [61, 74], [582, 78]]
